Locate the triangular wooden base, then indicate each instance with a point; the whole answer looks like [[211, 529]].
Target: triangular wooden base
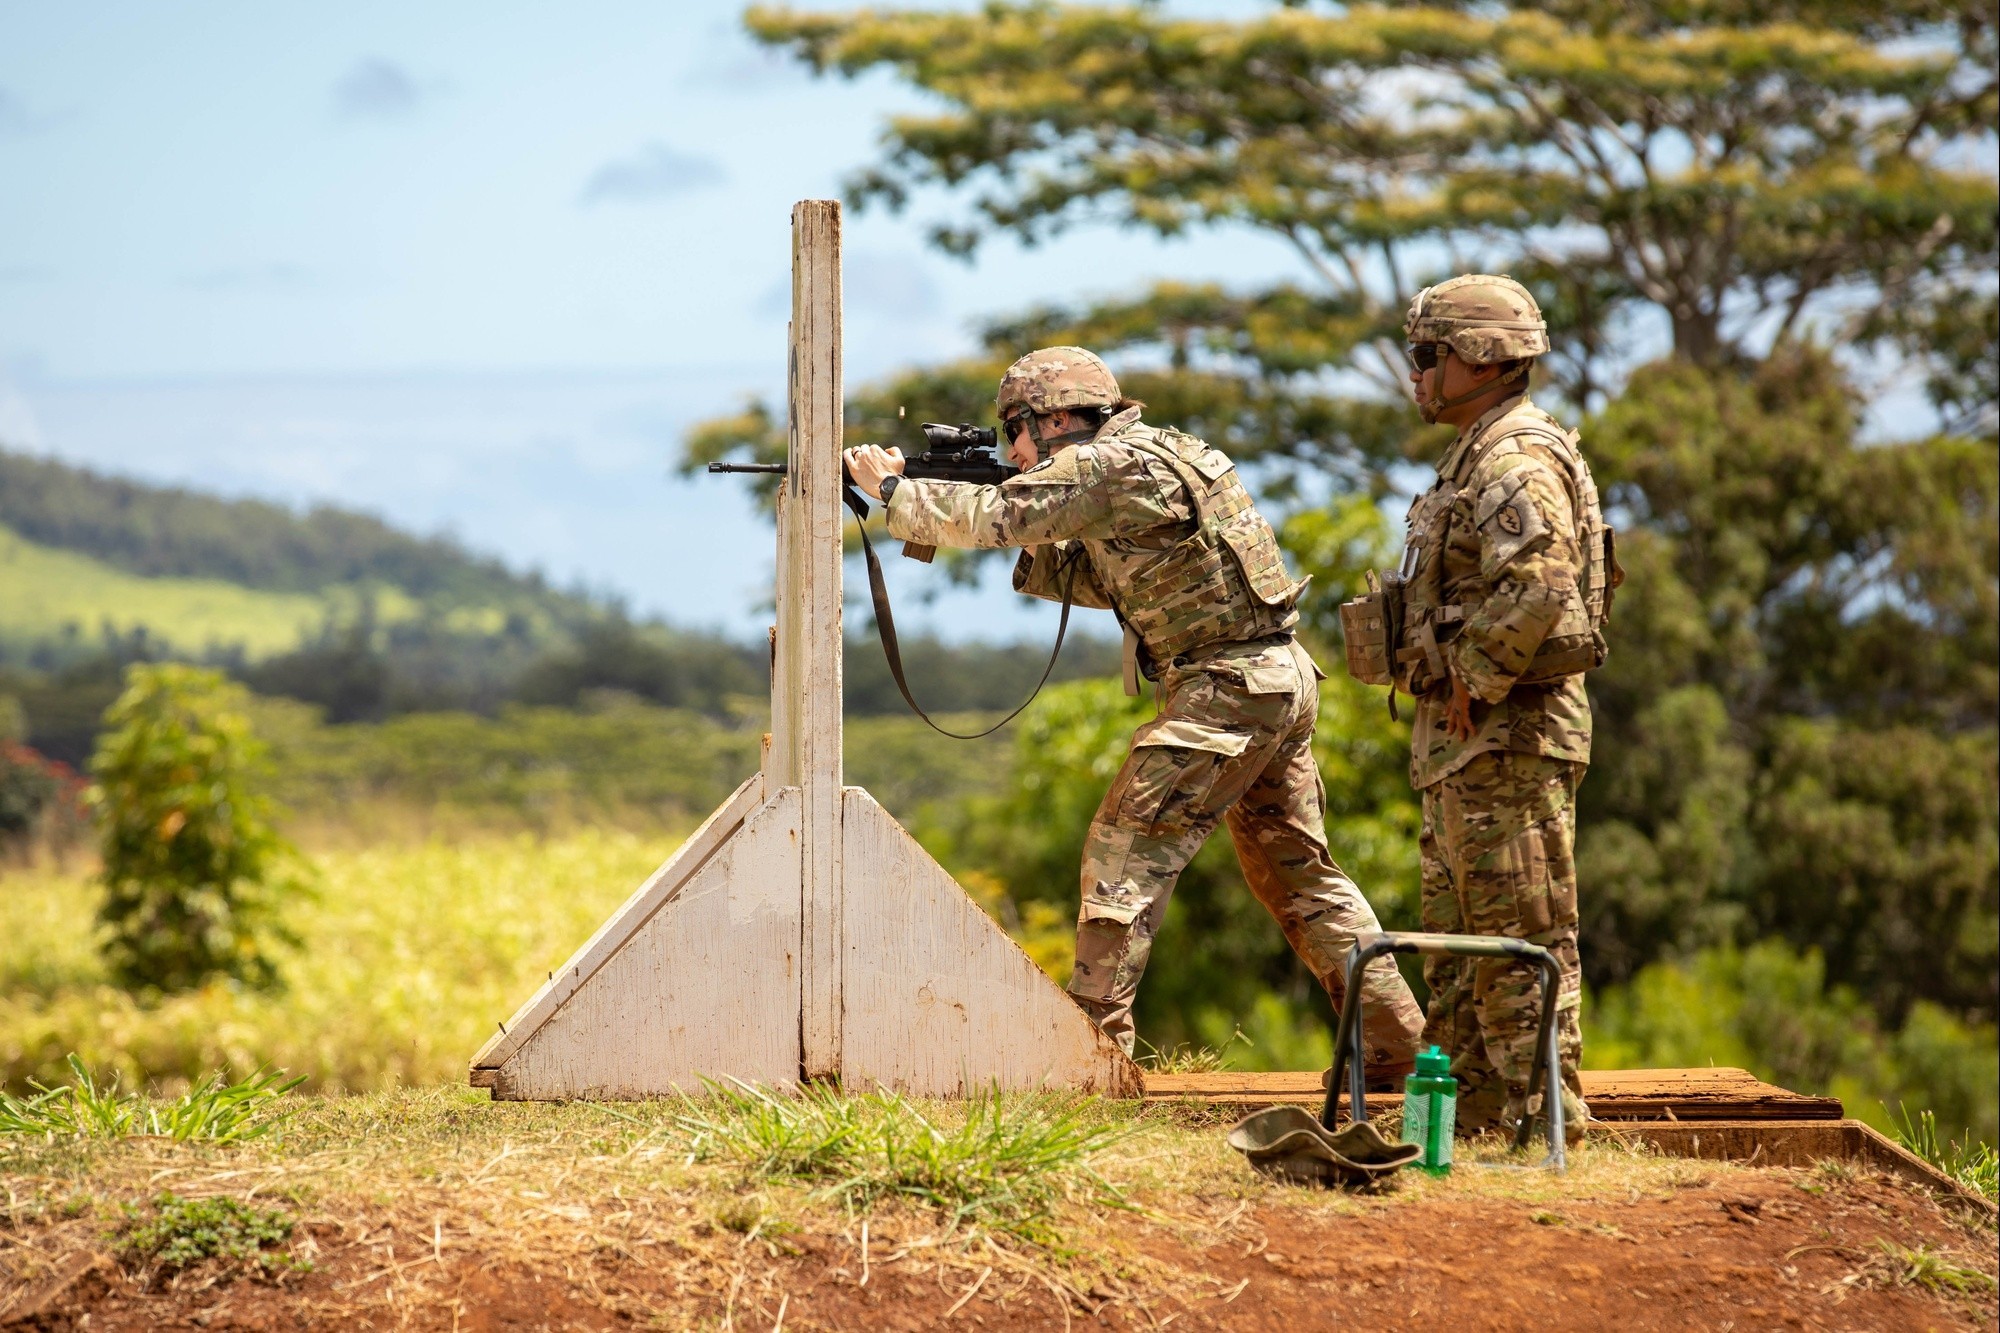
[[698, 976], [801, 933]]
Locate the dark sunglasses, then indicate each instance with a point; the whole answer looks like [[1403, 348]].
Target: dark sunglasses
[[1424, 356], [1011, 426]]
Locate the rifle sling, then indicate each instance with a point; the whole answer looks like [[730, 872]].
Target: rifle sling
[[885, 627]]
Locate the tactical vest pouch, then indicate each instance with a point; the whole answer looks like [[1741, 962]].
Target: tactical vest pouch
[[1368, 624], [1250, 540]]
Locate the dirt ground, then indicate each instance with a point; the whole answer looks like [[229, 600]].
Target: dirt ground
[[1722, 1248]]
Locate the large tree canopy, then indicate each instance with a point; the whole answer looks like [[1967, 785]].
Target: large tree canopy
[[1738, 169]]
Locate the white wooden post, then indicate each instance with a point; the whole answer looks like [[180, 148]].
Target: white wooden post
[[806, 735], [801, 933]]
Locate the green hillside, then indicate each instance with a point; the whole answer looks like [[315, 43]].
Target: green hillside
[[55, 596], [165, 532]]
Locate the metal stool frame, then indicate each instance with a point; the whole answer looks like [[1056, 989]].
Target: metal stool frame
[[1546, 1073]]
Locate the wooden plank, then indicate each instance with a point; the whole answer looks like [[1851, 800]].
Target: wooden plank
[[1621, 1094], [806, 684], [707, 985], [1794, 1143], [657, 891], [940, 1002]]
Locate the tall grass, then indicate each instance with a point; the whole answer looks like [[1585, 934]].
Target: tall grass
[[214, 1110], [1973, 1164], [413, 953]]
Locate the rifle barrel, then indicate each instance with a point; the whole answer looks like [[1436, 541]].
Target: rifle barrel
[[777, 469]]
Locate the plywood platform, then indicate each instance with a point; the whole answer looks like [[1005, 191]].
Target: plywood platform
[[1623, 1094]]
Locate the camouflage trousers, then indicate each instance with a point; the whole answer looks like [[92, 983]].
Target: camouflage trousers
[[1232, 741], [1498, 855]]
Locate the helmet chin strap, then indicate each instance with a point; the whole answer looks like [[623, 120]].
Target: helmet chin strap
[[1431, 407], [1046, 445]]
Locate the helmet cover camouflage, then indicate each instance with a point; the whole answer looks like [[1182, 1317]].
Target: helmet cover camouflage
[[1052, 379], [1482, 317]]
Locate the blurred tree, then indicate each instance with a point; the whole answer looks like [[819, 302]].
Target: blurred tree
[[1796, 727], [1727, 175], [194, 871]]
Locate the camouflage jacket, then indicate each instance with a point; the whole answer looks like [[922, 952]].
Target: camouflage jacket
[[1492, 564], [1151, 523]]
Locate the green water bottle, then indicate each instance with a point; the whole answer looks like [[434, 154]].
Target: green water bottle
[[1430, 1110]]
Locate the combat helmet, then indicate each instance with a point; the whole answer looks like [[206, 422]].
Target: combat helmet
[[1482, 317], [1052, 379]]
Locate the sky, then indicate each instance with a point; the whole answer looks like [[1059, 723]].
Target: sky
[[475, 268]]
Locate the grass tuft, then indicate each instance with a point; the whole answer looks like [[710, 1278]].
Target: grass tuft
[[186, 1231], [1186, 1059], [1930, 1269], [212, 1111], [1974, 1165], [1003, 1168]]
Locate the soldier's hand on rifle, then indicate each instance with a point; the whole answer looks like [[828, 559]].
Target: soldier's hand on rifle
[[868, 464], [1458, 713]]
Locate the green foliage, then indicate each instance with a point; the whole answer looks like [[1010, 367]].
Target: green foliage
[[1002, 1167], [1795, 729], [544, 766], [1771, 1010], [186, 1231], [193, 869], [214, 1110], [1976, 1165]]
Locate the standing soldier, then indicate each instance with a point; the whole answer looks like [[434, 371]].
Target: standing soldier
[[1505, 587], [1156, 526]]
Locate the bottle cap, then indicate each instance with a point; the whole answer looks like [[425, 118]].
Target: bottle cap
[[1433, 1063]]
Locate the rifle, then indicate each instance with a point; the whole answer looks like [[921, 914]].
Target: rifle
[[956, 453]]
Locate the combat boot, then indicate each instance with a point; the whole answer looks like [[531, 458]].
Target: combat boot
[[1386, 1077], [1576, 1117]]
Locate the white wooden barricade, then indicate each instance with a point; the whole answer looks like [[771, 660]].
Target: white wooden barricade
[[800, 933]]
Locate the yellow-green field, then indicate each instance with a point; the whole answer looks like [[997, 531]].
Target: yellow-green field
[[413, 952], [45, 592]]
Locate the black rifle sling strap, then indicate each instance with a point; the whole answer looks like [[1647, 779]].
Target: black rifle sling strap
[[885, 626]]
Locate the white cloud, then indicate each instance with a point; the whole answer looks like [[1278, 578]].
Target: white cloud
[[654, 172]]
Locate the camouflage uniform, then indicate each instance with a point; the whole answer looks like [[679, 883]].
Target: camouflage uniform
[[1506, 586], [1156, 526]]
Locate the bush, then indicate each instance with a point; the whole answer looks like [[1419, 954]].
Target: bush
[[194, 871], [1770, 1010]]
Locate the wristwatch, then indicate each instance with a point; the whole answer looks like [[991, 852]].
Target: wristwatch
[[888, 487]]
